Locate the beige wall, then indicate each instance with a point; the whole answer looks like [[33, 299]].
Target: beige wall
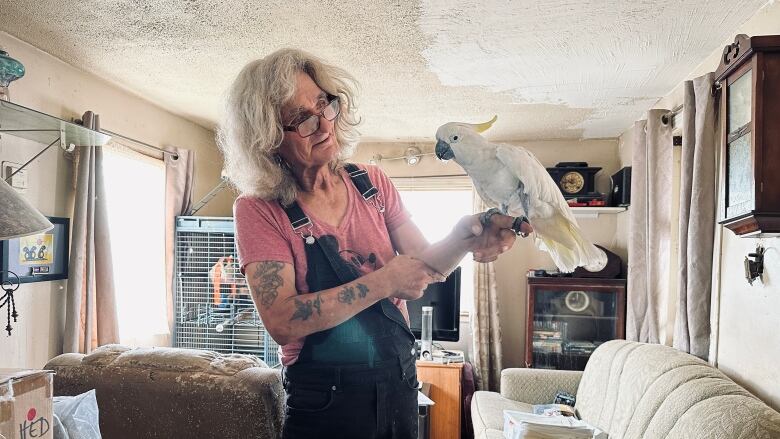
[[747, 340], [54, 87], [512, 267]]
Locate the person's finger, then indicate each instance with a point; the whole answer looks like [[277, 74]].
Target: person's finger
[[507, 237], [526, 229], [502, 221], [475, 224]]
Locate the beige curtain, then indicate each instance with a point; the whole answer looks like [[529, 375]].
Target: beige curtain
[[179, 178], [697, 218], [649, 229], [90, 315], [488, 358]]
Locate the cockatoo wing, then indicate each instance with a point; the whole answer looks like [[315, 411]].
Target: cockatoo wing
[[545, 198], [556, 229]]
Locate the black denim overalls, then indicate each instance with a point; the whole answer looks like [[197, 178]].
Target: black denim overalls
[[357, 379]]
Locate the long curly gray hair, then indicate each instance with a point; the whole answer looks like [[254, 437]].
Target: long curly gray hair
[[251, 129]]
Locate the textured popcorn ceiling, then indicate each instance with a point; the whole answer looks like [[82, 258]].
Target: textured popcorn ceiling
[[549, 69]]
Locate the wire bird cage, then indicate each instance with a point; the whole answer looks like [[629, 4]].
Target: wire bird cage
[[214, 310]]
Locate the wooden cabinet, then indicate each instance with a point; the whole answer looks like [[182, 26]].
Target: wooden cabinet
[[568, 318], [748, 80], [446, 393]]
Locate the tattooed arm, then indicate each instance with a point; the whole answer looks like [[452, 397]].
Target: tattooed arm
[[289, 316]]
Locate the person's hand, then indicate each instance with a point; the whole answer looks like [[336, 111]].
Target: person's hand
[[407, 277], [487, 243]]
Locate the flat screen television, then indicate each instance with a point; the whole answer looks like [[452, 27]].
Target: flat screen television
[[444, 297]]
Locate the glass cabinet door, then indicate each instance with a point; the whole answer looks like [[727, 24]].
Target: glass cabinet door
[[739, 160], [569, 324]]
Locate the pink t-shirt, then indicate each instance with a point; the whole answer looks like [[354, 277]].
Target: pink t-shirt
[[264, 233]]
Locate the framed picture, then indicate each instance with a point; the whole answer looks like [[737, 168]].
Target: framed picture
[[38, 258]]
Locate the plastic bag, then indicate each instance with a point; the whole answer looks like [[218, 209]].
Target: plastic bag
[[78, 415]]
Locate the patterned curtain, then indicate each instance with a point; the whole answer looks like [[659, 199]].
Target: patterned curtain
[[649, 245], [485, 322], [697, 218]]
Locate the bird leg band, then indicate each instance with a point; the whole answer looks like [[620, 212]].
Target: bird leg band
[[517, 223]]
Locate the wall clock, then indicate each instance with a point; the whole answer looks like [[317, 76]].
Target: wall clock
[[748, 79]]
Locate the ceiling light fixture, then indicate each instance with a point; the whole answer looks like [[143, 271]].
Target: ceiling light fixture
[[412, 156]]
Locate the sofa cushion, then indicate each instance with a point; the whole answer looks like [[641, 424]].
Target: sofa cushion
[[487, 411]]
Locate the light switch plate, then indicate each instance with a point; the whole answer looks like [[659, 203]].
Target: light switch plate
[[19, 181]]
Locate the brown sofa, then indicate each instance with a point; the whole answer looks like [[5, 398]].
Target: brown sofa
[[175, 393]]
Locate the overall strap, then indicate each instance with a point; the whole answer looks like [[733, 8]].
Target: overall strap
[[299, 220], [359, 178], [301, 223], [361, 181]]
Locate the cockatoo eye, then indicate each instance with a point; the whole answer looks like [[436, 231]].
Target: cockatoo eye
[[454, 139]]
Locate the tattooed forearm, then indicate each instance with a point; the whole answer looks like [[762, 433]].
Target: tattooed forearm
[[347, 295], [317, 303], [266, 281], [303, 310]]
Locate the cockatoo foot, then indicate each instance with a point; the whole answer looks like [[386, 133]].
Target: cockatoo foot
[[484, 219], [517, 225]]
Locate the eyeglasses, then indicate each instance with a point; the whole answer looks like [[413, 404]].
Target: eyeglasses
[[311, 124]]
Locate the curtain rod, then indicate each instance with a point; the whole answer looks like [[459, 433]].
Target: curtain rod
[[111, 133], [668, 117]]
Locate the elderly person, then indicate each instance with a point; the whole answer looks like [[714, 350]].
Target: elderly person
[[329, 253]]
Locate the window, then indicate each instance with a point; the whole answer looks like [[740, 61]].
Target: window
[[135, 195], [435, 212]]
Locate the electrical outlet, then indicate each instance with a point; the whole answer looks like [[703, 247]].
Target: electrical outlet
[[18, 181]]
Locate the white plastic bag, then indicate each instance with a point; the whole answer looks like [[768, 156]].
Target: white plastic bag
[[78, 415]]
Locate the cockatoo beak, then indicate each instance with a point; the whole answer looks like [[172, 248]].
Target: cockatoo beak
[[443, 151]]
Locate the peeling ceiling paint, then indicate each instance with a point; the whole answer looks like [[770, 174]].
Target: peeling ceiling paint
[[549, 69]]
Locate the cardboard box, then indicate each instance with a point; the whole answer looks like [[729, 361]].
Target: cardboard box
[[26, 404]]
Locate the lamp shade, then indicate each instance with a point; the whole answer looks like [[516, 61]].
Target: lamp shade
[[17, 216]]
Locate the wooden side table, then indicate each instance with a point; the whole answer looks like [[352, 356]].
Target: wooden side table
[[446, 393]]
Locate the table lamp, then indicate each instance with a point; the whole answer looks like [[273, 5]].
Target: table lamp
[[17, 218]]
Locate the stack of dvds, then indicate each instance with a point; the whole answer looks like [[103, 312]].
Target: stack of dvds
[[548, 340]]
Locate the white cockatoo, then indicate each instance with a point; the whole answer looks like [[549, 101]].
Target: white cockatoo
[[512, 181]]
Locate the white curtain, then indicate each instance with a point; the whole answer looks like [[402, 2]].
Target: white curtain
[[697, 218], [488, 356], [650, 226], [90, 314]]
